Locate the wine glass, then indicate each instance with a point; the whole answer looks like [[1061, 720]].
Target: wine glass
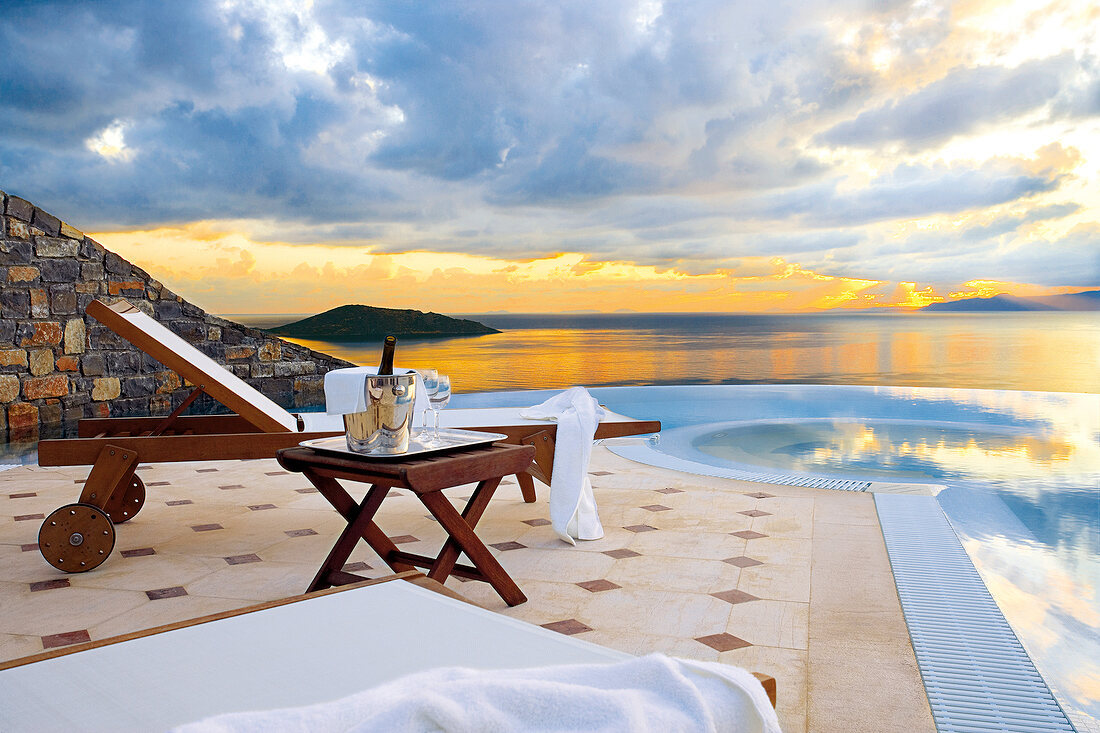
[[428, 377], [438, 401]]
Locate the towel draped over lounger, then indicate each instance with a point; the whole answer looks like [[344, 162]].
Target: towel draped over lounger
[[573, 510], [653, 693]]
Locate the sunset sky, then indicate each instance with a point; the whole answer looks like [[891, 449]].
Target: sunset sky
[[465, 157]]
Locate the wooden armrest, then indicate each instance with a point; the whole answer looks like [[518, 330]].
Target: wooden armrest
[[769, 685]]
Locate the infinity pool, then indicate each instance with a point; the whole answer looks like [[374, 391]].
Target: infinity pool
[[1017, 473]]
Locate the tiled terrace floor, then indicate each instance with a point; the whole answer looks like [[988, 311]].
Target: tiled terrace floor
[[784, 580]]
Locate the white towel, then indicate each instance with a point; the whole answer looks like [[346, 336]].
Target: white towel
[[573, 510], [649, 694], [345, 391]]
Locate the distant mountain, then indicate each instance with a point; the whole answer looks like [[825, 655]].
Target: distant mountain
[[1087, 301], [364, 322]]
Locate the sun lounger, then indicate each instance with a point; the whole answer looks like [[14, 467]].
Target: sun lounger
[[299, 651], [79, 537]]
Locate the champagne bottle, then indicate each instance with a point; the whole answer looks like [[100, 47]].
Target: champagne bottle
[[385, 366]]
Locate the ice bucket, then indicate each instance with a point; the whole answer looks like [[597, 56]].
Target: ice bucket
[[386, 425]]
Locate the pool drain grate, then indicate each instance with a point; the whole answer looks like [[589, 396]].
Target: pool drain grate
[[977, 674]]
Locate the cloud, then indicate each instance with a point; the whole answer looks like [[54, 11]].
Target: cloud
[[955, 105]]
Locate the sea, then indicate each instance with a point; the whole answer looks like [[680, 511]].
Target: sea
[[1032, 351]]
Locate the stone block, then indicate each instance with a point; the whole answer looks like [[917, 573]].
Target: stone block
[[240, 370], [7, 332], [71, 232], [47, 333], [40, 361], [68, 363], [294, 368], [123, 362], [72, 414], [61, 270], [18, 229], [138, 386], [91, 250], [214, 333], [15, 252], [101, 337], [92, 271], [62, 300], [167, 310], [47, 222], [90, 288], [98, 409], [20, 208], [9, 388], [55, 247], [160, 404], [40, 303], [133, 406], [190, 331], [126, 288], [93, 365], [271, 351], [13, 357], [23, 274], [81, 393], [37, 388], [15, 303], [75, 336], [232, 336], [167, 382], [49, 413], [106, 388], [190, 310], [116, 265], [263, 369], [239, 352], [22, 415]]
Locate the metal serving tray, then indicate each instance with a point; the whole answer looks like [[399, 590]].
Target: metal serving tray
[[453, 439]]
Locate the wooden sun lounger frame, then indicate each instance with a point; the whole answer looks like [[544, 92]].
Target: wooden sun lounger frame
[[115, 446]]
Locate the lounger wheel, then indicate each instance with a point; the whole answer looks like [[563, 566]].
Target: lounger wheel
[[124, 505], [76, 537]]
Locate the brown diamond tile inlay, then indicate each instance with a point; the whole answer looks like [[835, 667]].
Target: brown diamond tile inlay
[[761, 495], [242, 559], [159, 483], [179, 502], [231, 486], [568, 627], [29, 547], [65, 638], [299, 532], [742, 562], [640, 528], [755, 513], [657, 508], [160, 593], [723, 642], [670, 490], [275, 473], [403, 539], [310, 490], [537, 522], [748, 534], [260, 507], [735, 596], [505, 546], [24, 495], [139, 552], [357, 567], [206, 527], [596, 586], [621, 553], [599, 473], [393, 494], [28, 517], [205, 470], [49, 584]]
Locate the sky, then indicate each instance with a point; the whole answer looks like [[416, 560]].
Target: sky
[[276, 156]]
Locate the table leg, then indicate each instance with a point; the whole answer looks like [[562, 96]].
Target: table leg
[[462, 538], [359, 522], [526, 486]]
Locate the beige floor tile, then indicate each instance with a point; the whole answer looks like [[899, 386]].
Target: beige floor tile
[[164, 611], [13, 646], [59, 610], [146, 572], [771, 623], [674, 543], [789, 667], [776, 582], [254, 581], [675, 574], [657, 613]]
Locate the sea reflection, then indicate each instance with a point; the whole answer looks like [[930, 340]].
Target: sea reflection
[[1043, 352]]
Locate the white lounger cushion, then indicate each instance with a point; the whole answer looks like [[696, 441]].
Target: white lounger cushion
[[301, 653]]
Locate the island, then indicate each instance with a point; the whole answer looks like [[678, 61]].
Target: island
[[364, 323]]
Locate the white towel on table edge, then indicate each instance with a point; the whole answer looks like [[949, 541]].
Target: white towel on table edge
[[573, 511], [342, 396], [651, 694]]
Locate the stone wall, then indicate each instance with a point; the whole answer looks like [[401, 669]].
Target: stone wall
[[58, 365]]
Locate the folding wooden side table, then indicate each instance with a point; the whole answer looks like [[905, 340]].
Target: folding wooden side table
[[426, 477]]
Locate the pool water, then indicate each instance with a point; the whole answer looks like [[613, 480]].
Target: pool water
[[1017, 473]]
